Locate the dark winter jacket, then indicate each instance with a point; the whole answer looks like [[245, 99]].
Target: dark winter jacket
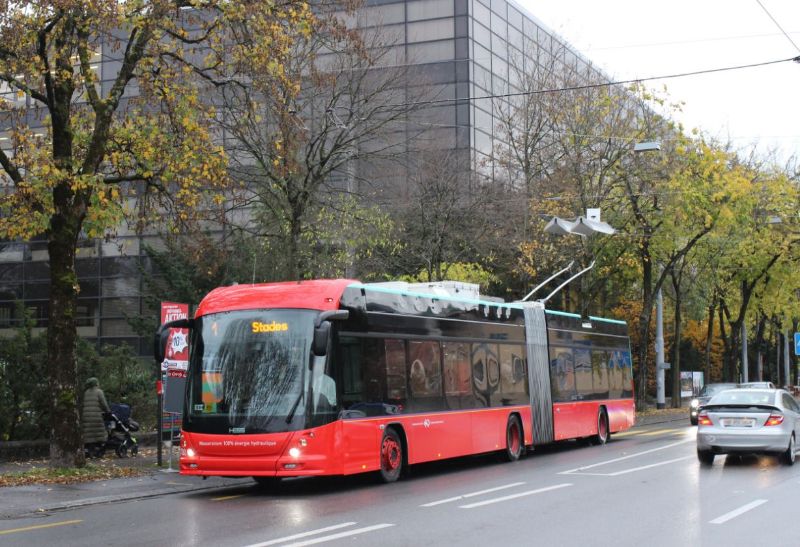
[[94, 404]]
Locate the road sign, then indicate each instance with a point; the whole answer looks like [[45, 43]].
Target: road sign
[[797, 343]]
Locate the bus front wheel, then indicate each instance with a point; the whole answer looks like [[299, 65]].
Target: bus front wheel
[[515, 443], [391, 456]]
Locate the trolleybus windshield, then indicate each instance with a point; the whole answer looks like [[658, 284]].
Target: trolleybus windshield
[[248, 371]]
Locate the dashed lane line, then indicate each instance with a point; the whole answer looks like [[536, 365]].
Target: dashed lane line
[[736, 512], [515, 496], [472, 494], [313, 541], [303, 534], [341, 535], [622, 458]]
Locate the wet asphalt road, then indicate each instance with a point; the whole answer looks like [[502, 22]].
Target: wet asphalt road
[[645, 487]]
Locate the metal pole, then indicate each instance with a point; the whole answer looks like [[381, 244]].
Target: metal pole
[[660, 395], [160, 429], [786, 359], [745, 371], [171, 438]]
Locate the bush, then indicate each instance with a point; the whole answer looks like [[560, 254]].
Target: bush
[[24, 394]]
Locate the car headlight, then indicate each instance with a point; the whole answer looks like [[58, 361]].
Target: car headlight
[[695, 403]]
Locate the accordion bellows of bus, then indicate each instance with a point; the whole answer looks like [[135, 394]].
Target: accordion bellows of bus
[[336, 377]]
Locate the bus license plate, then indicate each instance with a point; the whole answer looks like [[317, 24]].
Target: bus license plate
[[738, 422]]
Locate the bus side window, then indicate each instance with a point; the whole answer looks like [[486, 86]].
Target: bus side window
[[351, 384], [425, 376], [481, 387], [457, 376], [562, 374], [583, 373], [395, 351], [600, 375], [513, 375]]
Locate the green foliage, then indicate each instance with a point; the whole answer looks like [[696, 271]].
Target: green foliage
[[467, 272], [24, 398]]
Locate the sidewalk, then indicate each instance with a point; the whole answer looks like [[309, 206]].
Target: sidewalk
[[151, 481], [28, 500]]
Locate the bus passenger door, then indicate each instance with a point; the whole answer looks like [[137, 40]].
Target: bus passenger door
[[562, 377]]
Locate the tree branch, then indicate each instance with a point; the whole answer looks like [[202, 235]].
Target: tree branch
[[10, 168], [86, 69]]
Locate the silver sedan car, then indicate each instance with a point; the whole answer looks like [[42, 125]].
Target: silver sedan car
[[748, 421]]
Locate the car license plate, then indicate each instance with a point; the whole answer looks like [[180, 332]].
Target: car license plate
[[738, 422]]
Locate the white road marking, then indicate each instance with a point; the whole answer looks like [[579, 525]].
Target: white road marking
[[302, 535], [515, 496], [340, 535], [736, 512], [637, 454], [645, 467], [472, 494]]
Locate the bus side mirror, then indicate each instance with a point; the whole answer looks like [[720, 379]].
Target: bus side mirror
[[322, 330], [162, 334], [322, 334]]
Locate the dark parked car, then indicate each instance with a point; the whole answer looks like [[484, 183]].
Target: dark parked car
[[708, 391], [747, 421]]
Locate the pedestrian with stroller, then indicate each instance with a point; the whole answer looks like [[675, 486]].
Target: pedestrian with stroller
[[94, 427]]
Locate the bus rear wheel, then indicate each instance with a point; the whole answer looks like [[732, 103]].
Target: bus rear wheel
[[515, 443], [602, 428], [391, 456]]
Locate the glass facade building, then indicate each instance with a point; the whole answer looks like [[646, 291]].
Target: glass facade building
[[466, 54]]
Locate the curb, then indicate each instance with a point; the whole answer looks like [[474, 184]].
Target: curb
[[115, 498]]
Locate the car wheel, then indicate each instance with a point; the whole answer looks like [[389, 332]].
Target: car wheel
[[514, 439], [706, 457], [391, 456], [603, 432], [789, 456]]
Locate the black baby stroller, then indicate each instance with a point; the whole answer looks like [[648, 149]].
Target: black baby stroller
[[120, 425]]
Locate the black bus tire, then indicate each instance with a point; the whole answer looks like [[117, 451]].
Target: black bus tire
[[515, 440], [603, 430]]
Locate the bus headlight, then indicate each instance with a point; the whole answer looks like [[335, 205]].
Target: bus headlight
[[190, 453], [294, 452]]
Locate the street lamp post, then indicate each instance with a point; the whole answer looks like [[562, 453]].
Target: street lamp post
[[661, 366]]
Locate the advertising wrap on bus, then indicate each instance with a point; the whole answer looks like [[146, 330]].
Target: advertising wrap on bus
[[335, 377]]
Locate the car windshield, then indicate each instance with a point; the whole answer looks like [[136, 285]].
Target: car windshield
[[247, 371], [743, 397], [713, 389]]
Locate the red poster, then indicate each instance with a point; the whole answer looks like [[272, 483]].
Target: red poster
[[176, 355]]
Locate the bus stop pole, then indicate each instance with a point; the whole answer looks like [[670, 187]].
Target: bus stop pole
[[160, 422]]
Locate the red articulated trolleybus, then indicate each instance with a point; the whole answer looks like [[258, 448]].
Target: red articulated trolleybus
[[336, 377]]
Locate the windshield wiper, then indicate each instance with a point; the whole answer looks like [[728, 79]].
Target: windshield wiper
[[290, 416]]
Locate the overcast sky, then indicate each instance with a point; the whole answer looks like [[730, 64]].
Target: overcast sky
[[635, 39]]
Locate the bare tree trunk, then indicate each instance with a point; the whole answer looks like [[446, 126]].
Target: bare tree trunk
[[709, 338], [762, 322]]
